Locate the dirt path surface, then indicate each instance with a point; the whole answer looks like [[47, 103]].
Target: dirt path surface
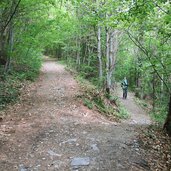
[[52, 130]]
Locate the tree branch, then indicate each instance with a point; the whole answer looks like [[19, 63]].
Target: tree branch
[[12, 15], [139, 45], [166, 12]]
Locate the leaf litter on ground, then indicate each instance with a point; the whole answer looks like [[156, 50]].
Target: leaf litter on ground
[[156, 143]]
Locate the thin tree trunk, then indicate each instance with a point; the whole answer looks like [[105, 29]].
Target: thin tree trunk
[[2, 50], [78, 60], [162, 84], [99, 53], [108, 80], [154, 92], [89, 56], [167, 124]]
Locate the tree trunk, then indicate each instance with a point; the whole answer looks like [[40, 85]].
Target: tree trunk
[[108, 80], [6, 34], [10, 44], [2, 50], [99, 53], [154, 91], [78, 60], [167, 124], [111, 51]]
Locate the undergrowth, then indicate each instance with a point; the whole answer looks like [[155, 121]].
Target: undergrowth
[[21, 71], [158, 114], [9, 90], [93, 98], [11, 85]]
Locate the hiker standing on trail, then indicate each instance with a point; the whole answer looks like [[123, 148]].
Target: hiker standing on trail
[[124, 86]]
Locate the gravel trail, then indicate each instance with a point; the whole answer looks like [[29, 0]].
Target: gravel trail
[[51, 130]]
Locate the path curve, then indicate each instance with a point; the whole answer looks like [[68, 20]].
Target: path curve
[[137, 114], [51, 130]]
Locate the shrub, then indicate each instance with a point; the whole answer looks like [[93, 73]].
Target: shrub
[[9, 90]]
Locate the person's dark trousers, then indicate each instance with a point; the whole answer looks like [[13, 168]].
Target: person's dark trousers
[[124, 93]]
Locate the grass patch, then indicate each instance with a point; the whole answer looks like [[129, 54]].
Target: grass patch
[[122, 113], [88, 103], [159, 115], [62, 62], [142, 103]]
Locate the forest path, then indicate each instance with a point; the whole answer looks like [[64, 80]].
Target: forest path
[[51, 130], [137, 114]]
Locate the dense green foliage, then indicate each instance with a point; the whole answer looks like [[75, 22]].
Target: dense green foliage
[[26, 28]]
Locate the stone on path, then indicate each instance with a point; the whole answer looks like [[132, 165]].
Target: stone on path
[[52, 153], [70, 141], [22, 168], [80, 161], [94, 147]]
